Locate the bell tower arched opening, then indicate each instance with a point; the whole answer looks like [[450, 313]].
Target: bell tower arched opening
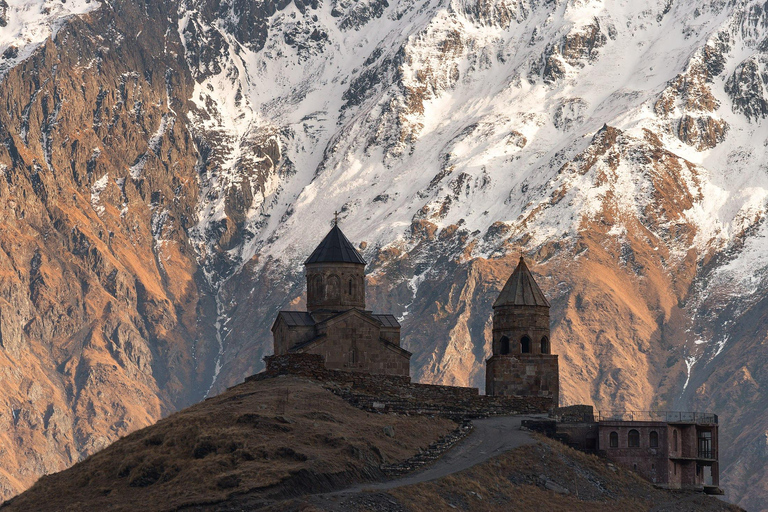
[[504, 350], [525, 345]]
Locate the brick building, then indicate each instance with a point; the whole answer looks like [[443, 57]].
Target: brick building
[[336, 324], [674, 450], [522, 363]]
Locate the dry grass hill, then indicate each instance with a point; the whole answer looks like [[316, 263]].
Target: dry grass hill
[[285, 443]]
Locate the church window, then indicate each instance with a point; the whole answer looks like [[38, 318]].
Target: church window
[[504, 345], [525, 345], [674, 440], [613, 440], [353, 356], [545, 345], [334, 287], [654, 439], [633, 439], [350, 286], [317, 285]]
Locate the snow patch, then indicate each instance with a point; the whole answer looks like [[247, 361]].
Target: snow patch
[[98, 187]]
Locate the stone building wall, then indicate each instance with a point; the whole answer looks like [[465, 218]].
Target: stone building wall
[[391, 334], [286, 337], [523, 375], [335, 286], [353, 343], [515, 322], [388, 393]]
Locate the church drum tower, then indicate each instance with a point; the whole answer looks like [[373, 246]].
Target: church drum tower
[[522, 363]]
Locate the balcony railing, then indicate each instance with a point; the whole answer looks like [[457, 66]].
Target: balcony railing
[[665, 416]]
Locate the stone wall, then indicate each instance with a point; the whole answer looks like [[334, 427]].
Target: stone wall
[[579, 435], [387, 393], [574, 414], [286, 337], [515, 322], [335, 286], [523, 375], [353, 343]]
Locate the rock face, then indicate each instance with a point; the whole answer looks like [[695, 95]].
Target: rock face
[[167, 167], [104, 325]]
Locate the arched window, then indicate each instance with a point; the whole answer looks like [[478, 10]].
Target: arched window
[[633, 439], [333, 288], [613, 440], [350, 287], [654, 439], [545, 345], [674, 440], [525, 345], [317, 287], [504, 345]]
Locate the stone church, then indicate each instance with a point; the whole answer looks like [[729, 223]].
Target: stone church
[[336, 324], [522, 363]]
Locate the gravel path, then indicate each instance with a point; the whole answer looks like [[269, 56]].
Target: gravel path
[[490, 437]]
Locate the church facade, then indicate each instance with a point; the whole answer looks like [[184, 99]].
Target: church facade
[[522, 363], [336, 324]]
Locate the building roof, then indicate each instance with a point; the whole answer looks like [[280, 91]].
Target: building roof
[[335, 248], [296, 318], [387, 320], [303, 344], [521, 289]]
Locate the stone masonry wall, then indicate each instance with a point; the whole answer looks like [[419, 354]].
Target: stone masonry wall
[[354, 344], [523, 375], [385, 393], [514, 322], [286, 337]]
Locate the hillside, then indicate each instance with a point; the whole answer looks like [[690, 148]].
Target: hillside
[[284, 443], [267, 439], [167, 166]]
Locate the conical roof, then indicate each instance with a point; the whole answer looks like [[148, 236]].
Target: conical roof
[[335, 248], [521, 289]]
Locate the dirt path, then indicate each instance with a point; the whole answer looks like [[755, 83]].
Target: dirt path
[[490, 437]]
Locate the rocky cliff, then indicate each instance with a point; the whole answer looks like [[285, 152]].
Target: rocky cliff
[[169, 166]]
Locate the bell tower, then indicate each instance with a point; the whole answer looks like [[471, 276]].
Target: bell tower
[[335, 275], [522, 362]]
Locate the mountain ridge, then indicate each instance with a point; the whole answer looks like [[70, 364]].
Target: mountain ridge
[[618, 146]]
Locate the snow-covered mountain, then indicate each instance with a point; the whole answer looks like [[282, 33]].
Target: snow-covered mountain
[[207, 144], [25, 24]]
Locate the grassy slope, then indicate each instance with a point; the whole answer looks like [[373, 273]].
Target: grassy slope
[[546, 476], [248, 439], [271, 443]]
